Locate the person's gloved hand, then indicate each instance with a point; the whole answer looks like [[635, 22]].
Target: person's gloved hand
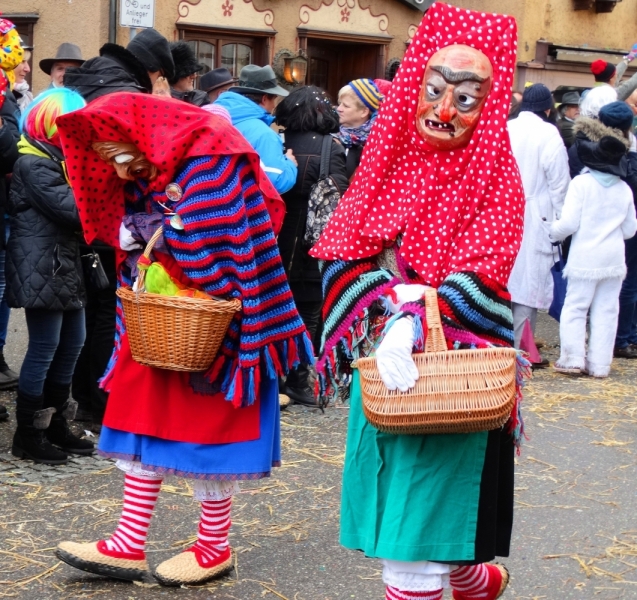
[[126, 240], [405, 293], [393, 357], [632, 54]]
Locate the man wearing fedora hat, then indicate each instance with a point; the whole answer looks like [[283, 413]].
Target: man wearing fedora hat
[[216, 82], [569, 111], [250, 105], [67, 55]]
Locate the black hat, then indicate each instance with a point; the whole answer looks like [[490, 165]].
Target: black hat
[[618, 115], [536, 98], [258, 80], [571, 99], [66, 52], [185, 61], [153, 50], [215, 79]]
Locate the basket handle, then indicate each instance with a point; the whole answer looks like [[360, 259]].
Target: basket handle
[[435, 336], [149, 248]]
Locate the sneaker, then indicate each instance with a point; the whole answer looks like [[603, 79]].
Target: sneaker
[[626, 352]]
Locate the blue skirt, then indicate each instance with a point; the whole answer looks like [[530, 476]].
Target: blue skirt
[[236, 461]]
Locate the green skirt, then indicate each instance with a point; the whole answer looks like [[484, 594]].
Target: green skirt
[[411, 497]]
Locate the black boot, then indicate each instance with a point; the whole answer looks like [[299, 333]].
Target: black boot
[[8, 378], [58, 433], [4, 414], [29, 440], [297, 387]]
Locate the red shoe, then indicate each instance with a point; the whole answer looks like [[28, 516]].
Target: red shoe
[[498, 582], [188, 568]]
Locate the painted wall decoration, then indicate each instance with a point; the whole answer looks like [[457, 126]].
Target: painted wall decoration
[[345, 16], [227, 13]]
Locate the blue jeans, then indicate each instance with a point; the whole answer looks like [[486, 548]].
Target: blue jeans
[[56, 338], [626, 327]]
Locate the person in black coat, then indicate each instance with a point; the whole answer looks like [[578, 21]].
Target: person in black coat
[[9, 136], [182, 85], [44, 276], [308, 116]]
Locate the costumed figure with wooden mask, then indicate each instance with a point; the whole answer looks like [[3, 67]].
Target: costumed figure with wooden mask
[[137, 163], [437, 203]]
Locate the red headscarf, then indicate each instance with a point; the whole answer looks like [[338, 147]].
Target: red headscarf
[[171, 131], [459, 210]]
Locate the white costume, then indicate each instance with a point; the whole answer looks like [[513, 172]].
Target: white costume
[[543, 162], [600, 214]]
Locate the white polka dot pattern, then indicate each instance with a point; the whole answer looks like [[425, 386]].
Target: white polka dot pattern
[[459, 210]]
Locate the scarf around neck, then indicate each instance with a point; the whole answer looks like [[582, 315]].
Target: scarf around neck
[[458, 210], [356, 136]]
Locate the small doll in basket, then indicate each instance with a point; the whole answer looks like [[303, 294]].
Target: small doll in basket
[[437, 201], [136, 163]]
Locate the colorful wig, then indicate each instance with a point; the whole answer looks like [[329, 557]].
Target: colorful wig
[[38, 121]]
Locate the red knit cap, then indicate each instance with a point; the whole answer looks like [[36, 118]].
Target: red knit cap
[[602, 70]]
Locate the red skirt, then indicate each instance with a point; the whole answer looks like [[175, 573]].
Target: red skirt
[[162, 404]]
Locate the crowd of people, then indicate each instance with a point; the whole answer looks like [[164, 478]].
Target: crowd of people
[[578, 166], [331, 232]]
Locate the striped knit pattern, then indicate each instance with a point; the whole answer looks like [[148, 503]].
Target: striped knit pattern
[[475, 304], [349, 289], [474, 582], [228, 249], [140, 496], [392, 593], [212, 537]]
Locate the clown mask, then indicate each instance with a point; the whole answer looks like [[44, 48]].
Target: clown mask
[[456, 84], [126, 159]]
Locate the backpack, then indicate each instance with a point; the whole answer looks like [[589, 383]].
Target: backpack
[[324, 197]]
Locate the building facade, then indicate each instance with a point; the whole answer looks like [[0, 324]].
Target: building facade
[[342, 39]]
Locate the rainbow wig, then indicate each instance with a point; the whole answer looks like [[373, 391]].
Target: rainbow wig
[[38, 121]]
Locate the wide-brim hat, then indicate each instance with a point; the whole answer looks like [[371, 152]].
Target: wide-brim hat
[[258, 80], [215, 79], [66, 52]]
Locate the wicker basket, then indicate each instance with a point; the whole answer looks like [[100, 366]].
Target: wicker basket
[[458, 391], [171, 332]]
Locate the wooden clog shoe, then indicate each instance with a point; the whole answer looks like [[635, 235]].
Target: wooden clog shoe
[[498, 582], [187, 568], [95, 557]]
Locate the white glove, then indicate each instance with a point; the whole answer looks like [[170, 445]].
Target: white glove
[[126, 240], [406, 293], [393, 357]]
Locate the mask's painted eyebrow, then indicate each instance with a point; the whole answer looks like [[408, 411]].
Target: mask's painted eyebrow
[[457, 76]]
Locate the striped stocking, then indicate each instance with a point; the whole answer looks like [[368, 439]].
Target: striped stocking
[[477, 582], [393, 593], [140, 496], [212, 537]]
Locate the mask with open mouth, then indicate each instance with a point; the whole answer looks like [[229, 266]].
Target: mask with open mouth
[[456, 84]]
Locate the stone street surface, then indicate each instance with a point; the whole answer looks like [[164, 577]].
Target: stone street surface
[[575, 533]]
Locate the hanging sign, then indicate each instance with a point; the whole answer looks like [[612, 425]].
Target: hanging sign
[[137, 13]]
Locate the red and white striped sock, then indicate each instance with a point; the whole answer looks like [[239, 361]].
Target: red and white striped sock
[[212, 537], [392, 593], [476, 582], [140, 496]]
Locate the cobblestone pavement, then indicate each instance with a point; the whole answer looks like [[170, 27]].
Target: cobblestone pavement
[[575, 530]]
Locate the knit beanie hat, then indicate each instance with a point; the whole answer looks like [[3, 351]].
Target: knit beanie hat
[[602, 70], [152, 49], [536, 97], [367, 92], [617, 115], [185, 61]]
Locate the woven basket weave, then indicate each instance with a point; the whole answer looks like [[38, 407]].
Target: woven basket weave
[[171, 332], [458, 391]]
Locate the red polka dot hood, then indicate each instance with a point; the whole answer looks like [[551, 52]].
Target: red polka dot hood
[[458, 210], [167, 132]]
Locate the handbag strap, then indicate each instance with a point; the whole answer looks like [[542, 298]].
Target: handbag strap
[[326, 153]]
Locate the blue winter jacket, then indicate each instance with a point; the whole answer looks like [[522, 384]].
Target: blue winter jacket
[[254, 123]]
